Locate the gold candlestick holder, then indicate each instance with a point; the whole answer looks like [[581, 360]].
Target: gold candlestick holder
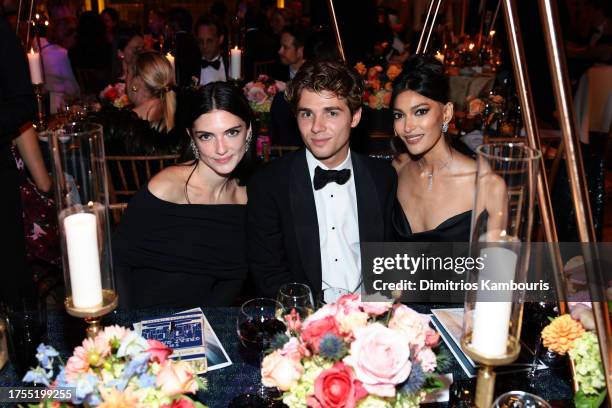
[[41, 117], [92, 316]]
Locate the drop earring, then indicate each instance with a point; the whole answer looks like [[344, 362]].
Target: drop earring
[[194, 149], [134, 89], [445, 127], [248, 142]]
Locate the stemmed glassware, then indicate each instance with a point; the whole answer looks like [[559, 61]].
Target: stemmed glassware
[[256, 325], [330, 295], [295, 296]]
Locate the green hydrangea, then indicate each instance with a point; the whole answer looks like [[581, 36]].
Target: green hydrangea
[[296, 397], [374, 402], [587, 359]]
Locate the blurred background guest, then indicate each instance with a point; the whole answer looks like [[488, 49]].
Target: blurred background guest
[[195, 251], [129, 42], [91, 57], [155, 32], [291, 51], [210, 34], [60, 81], [147, 127], [110, 17]]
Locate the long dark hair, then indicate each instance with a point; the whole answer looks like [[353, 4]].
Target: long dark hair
[[193, 103], [426, 76]]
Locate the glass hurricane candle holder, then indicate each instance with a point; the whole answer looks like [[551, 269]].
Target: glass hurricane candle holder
[[81, 191], [501, 231], [235, 70]]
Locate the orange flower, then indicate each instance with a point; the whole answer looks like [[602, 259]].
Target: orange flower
[[112, 398], [560, 334]]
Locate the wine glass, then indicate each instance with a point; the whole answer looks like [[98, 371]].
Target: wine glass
[[295, 296], [520, 399], [257, 325], [330, 295]]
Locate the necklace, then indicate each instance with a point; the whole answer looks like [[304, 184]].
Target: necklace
[[430, 175]]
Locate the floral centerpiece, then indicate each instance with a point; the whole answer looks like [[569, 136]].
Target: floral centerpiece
[[115, 95], [261, 92], [354, 354], [378, 84], [119, 368], [568, 334]]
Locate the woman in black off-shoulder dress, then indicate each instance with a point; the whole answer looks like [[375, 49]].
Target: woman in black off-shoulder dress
[[181, 242]]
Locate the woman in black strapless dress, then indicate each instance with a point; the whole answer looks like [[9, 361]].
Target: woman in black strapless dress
[[182, 240], [436, 183]]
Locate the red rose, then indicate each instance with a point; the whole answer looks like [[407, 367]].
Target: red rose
[[111, 94], [336, 388], [180, 403], [159, 351], [314, 331]]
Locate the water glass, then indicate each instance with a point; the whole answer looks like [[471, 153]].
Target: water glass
[[330, 295], [520, 399], [295, 296]]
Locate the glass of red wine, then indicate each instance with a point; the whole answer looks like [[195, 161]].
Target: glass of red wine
[[257, 324]]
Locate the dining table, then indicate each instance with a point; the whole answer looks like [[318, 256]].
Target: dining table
[[65, 332]]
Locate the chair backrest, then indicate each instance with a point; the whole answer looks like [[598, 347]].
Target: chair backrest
[[128, 173], [262, 67]]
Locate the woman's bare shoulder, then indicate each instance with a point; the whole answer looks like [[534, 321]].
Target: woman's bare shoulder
[[169, 184]]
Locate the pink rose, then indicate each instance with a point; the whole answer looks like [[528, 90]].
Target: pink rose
[[432, 338], [412, 324], [336, 387], [176, 378], [257, 95], [159, 351], [280, 371], [427, 358], [315, 330], [381, 359], [376, 308], [281, 86]]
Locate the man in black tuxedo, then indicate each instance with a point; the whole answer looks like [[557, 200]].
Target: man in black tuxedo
[[309, 210], [210, 34]]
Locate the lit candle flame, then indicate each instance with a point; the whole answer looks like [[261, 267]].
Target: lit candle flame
[[471, 46], [492, 33]]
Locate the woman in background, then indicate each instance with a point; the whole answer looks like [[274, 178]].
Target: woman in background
[[130, 43], [181, 242]]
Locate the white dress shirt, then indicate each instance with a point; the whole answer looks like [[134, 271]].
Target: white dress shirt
[[209, 74], [338, 228], [59, 78]]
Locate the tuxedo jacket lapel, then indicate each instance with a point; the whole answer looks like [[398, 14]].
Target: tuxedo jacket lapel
[[304, 216], [371, 221]]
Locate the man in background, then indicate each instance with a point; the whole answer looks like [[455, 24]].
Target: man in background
[[210, 34], [291, 51]]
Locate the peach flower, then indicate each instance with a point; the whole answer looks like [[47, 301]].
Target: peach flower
[[413, 325], [560, 334], [112, 398], [280, 371], [176, 378]]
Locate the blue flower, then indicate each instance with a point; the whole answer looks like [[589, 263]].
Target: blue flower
[[119, 383], [136, 366], [147, 381], [45, 356], [332, 347], [415, 380], [38, 375], [61, 380], [131, 345], [278, 341], [85, 386]]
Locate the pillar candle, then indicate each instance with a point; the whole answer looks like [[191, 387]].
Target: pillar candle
[[35, 68], [83, 260], [235, 63], [492, 319]]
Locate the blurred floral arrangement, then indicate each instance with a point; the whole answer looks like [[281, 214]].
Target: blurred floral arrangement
[[571, 334], [355, 354], [118, 368], [261, 91], [378, 84], [115, 95]]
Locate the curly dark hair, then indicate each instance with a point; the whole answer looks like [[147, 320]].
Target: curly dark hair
[[332, 76]]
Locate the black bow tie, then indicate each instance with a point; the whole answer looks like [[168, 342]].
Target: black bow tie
[[213, 64], [323, 177]]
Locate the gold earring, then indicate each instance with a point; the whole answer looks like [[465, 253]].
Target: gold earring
[[134, 89]]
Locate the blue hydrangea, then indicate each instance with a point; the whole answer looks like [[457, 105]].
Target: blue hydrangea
[[136, 366], [45, 356], [415, 380], [85, 386], [332, 347], [131, 345], [146, 381], [38, 375], [278, 341]]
